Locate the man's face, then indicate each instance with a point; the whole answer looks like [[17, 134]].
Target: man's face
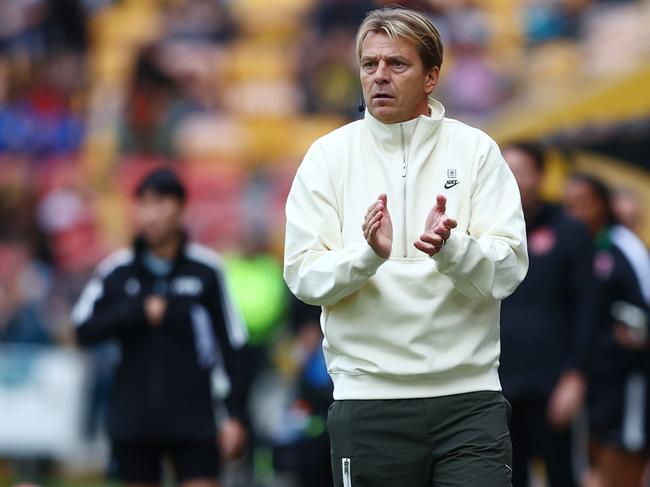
[[394, 82], [158, 217], [582, 203], [527, 174]]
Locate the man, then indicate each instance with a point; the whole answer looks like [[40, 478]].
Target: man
[[546, 326], [166, 304], [411, 285]]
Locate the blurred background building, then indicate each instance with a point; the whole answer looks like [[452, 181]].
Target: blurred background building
[[93, 93]]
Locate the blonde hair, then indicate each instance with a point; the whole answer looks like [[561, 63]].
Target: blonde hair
[[408, 24]]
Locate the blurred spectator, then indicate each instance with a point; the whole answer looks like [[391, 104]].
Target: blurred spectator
[[473, 86], [151, 109], [546, 326], [628, 209], [308, 451], [618, 399], [65, 215], [39, 26], [199, 20], [255, 278], [336, 15], [166, 303], [37, 115], [254, 272], [23, 287], [22, 291]]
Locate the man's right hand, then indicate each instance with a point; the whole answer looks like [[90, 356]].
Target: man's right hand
[[378, 228], [154, 309]]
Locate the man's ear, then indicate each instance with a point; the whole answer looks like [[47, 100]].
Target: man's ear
[[431, 80]]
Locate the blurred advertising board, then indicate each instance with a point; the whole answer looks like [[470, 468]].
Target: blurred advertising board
[[41, 400]]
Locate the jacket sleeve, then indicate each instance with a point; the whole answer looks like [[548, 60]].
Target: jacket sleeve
[[318, 268], [101, 314], [491, 259], [583, 294], [232, 338]]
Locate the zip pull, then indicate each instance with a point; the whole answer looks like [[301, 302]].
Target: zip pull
[[347, 474], [404, 167]]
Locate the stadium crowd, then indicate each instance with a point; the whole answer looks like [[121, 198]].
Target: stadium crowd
[[95, 93]]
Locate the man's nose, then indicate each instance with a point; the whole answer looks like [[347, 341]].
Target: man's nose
[[382, 73]]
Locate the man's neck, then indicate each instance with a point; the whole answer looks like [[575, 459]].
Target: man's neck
[[167, 249]]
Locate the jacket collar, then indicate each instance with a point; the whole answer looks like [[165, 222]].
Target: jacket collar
[[139, 246], [426, 126]]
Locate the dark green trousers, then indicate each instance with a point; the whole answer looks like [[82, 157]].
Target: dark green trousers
[[451, 441]]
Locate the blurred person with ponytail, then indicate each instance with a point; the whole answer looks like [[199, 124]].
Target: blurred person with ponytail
[[617, 400]]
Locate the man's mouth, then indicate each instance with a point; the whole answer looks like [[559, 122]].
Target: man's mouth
[[381, 96]]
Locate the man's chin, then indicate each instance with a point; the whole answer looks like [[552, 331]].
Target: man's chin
[[384, 114]]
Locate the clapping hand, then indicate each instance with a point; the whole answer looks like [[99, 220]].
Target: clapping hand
[[378, 228], [437, 228]]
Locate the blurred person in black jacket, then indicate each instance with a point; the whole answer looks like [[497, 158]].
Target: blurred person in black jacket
[[545, 329], [618, 399], [310, 451], [165, 301]]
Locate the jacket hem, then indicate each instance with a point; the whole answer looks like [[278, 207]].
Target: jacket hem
[[367, 386]]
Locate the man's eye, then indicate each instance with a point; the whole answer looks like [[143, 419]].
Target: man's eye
[[398, 64], [369, 65]]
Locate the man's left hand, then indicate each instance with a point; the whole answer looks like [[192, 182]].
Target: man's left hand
[[437, 228]]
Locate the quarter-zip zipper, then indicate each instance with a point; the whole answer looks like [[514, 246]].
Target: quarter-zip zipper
[[404, 171]]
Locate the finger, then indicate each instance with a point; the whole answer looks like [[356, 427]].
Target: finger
[[435, 240], [376, 218], [366, 232], [373, 230], [441, 203], [378, 206], [450, 223], [370, 230], [372, 208], [442, 230], [383, 197], [369, 216], [426, 248]]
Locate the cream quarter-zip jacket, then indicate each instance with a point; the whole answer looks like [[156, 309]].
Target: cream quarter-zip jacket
[[409, 326]]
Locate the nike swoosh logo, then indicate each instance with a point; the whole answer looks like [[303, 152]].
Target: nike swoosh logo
[[451, 184]]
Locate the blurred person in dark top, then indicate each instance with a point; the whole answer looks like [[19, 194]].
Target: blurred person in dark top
[[545, 328], [617, 401], [309, 453], [166, 303]]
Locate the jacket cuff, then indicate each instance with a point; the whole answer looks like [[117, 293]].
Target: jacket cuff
[[368, 261], [451, 252]]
